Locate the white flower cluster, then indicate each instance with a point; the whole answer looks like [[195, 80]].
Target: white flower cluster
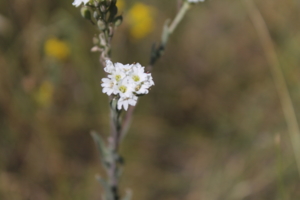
[[79, 2], [195, 1], [127, 82]]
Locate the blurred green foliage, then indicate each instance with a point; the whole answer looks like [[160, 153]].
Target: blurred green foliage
[[211, 128]]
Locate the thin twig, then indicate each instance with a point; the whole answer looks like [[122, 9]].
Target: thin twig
[[278, 77], [114, 141], [185, 7], [167, 31]]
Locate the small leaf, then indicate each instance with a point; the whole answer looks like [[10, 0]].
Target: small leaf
[[106, 187], [104, 152], [118, 20], [86, 13]]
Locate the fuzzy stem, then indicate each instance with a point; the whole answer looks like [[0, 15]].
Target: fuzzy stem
[[278, 77], [168, 30], [185, 7], [114, 142]]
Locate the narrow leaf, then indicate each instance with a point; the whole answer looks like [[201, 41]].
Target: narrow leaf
[[101, 148], [106, 187]]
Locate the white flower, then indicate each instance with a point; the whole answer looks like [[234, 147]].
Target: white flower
[[117, 75], [125, 68], [195, 1], [109, 86], [79, 2], [126, 82], [126, 101], [138, 74], [109, 68], [125, 88]]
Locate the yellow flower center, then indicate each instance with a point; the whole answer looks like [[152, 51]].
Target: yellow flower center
[[136, 78], [122, 88], [118, 77], [137, 88]]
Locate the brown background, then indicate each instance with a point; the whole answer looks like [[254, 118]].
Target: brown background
[[208, 130]]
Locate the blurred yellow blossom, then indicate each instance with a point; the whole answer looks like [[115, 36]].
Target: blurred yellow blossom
[[56, 48], [44, 94], [120, 5], [141, 20]]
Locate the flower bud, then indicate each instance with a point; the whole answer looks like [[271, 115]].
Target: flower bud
[[96, 15], [101, 24], [103, 7], [86, 13], [102, 39], [96, 3], [118, 20]]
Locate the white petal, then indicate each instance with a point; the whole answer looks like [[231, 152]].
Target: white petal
[[119, 105], [126, 105], [79, 2], [109, 68]]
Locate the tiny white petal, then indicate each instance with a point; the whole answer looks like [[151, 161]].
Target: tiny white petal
[[126, 101], [109, 68], [79, 2]]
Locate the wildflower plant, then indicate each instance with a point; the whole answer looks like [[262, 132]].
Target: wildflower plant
[[124, 83]]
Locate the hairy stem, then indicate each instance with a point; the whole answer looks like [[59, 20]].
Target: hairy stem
[[185, 7], [114, 141], [168, 30]]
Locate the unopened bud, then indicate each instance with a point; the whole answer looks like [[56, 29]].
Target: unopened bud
[[96, 3], [86, 13], [96, 15], [103, 7], [118, 20], [95, 49], [101, 24], [102, 39]]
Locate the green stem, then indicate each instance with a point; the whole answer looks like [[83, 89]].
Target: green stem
[[114, 142], [168, 30], [185, 7]]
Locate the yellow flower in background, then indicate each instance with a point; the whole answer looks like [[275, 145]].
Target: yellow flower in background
[[44, 94], [120, 5], [141, 20], [56, 48]]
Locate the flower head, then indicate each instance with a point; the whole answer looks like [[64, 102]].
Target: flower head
[[57, 48], [126, 82], [141, 20]]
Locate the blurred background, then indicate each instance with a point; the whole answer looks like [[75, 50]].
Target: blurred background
[[212, 128]]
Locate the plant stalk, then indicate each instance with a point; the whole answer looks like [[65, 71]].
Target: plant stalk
[[114, 141], [278, 77]]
